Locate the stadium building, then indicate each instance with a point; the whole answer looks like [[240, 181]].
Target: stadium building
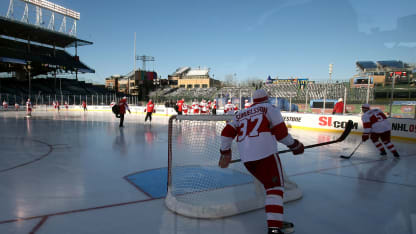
[[383, 75], [136, 83], [186, 77], [41, 50], [30, 50]]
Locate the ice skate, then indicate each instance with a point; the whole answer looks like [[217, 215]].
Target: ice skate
[[288, 227], [275, 231]]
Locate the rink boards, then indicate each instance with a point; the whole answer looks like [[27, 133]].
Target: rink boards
[[401, 128]]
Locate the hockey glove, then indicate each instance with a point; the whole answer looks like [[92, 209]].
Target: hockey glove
[[365, 137], [225, 158], [297, 147]]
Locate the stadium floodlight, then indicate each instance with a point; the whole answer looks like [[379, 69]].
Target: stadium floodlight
[[55, 8], [331, 66]]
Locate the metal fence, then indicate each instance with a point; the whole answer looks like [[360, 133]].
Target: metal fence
[[94, 99], [301, 96]]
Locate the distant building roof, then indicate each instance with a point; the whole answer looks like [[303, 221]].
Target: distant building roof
[[198, 72], [180, 71], [391, 64], [367, 65]]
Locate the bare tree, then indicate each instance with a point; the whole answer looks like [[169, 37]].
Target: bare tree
[[229, 80]]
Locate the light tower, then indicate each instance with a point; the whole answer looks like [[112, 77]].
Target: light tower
[[145, 59], [53, 8], [331, 66]]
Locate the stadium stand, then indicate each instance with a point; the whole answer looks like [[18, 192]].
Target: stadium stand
[[32, 53], [23, 44], [187, 94], [318, 91], [15, 91], [41, 57]]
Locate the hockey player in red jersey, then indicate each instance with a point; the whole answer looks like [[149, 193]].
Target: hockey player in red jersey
[[214, 107], [58, 106], [339, 107], [84, 105], [123, 107], [179, 105], [150, 108], [376, 126], [257, 128]]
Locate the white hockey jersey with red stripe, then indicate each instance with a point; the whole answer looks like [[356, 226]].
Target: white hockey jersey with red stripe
[[195, 107], [203, 107], [257, 128], [29, 105], [228, 107], [375, 120], [247, 105], [184, 108]]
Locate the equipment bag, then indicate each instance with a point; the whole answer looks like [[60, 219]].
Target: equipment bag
[[116, 109]]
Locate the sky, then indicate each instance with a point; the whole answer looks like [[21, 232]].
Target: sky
[[248, 40]]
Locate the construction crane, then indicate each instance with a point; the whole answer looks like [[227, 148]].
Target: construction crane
[[145, 59]]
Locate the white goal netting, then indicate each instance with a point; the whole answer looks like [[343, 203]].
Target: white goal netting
[[197, 187]]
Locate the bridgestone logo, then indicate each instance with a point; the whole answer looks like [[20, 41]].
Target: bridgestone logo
[[292, 119]]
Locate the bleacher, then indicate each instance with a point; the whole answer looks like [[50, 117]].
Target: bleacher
[[233, 91], [63, 89], [187, 94], [318, 91], [40, 55]]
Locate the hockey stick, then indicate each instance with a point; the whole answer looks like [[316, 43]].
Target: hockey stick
[[344, 135], [349, 156]]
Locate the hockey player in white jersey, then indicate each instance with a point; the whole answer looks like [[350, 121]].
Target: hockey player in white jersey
[[203, 106], [28, 108], [185, 108], [195, 107], [5, 105], [376, 126], [257, 128], [246, 104], [229, 108]]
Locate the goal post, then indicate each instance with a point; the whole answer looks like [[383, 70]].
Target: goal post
[[197, 186]]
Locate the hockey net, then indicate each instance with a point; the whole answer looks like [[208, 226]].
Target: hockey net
[[197, 186]]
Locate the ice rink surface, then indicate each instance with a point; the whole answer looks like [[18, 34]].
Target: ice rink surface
[[64, 173]]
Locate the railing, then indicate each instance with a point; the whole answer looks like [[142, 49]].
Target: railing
[[94, 99]]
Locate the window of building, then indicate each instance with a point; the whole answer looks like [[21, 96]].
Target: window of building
[[182, 86], [204, 86], [189, 86], [196, 86]]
